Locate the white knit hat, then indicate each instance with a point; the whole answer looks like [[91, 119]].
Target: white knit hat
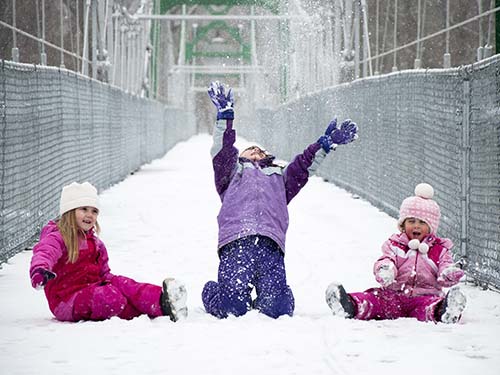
[[421, 207], [77, 195]]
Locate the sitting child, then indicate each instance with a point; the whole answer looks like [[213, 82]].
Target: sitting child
[[71, 263], [415, 267]]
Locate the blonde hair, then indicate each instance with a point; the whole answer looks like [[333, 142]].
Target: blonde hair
[[71, 233]]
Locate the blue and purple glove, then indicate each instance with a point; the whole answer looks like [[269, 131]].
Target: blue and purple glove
[[40, 277], [224, 102], [334, 136]]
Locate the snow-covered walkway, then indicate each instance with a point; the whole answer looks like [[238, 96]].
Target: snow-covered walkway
[[161, 222]]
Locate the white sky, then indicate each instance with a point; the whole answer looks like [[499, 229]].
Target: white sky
[[161, 222]]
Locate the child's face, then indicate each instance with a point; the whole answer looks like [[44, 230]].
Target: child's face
[[254, 153], [416, 228], [86, 217]]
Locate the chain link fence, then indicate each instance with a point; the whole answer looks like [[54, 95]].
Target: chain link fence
[[56, 127], [436, 126]]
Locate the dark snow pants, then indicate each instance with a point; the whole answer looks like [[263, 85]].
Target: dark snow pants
[[253, 261]]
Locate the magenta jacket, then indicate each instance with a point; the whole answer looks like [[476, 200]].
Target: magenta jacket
[[90, 268], [418, 273]]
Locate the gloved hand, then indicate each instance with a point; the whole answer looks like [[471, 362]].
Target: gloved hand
[[338, 136], [386, 274], [40, 277], [450, 276], [224, 102]]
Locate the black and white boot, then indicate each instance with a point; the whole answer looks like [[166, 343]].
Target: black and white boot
[[339, 301], [452, 306], [173, 299]]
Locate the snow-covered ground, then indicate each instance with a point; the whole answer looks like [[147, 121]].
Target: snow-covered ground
[[162, 222]]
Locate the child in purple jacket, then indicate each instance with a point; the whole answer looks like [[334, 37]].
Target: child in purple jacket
[[71, 263], [414, 268], [253, 219]]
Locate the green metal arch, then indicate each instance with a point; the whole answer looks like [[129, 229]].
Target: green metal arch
[[202, 33], [271, 5]]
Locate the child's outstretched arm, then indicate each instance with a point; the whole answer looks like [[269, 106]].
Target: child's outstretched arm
[[46, 253], [298, 171], [224, 154]]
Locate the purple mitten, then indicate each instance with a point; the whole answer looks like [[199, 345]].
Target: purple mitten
[[40, 277], [338, 136], [222, 101]]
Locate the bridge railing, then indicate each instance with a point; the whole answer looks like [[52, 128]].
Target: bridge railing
[[57, 126], [436, 126]]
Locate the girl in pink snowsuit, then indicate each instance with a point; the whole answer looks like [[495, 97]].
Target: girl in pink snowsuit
[[71, 263], [413, 270]]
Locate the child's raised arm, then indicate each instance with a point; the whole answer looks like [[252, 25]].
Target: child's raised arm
[[224, 154], [298, 171]]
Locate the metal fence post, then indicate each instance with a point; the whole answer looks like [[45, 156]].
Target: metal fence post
[[43, 54], [418, 62], [466, 147], [395, 36], [447, 56], [15, 50], [61, 14], [497, 27], [93, 12], [85, 51]]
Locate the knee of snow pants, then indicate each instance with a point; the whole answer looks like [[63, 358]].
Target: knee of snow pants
[[221, 301], [98, 303], [275, 305]]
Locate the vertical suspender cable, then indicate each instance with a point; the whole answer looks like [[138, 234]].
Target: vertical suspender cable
[[61, 30], [15, 50], [395, 33]]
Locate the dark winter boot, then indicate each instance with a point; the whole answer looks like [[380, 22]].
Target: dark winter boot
[[173, 299], [339, 301], [451, 307]]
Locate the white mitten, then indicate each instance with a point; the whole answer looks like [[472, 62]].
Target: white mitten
[[386, 274]]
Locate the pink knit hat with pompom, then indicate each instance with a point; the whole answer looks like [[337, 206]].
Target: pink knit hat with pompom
[[421, 207]]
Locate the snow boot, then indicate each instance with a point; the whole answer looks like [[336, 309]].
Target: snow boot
[[339, 301], [173, 299], [452, 306]]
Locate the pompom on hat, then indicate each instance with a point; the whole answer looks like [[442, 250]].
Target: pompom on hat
[[77, 195], [421, 207]]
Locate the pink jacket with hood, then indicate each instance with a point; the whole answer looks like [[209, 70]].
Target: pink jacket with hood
[[418, 273]]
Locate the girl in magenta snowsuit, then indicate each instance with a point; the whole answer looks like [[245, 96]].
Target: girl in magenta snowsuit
[[413, 270], [253, 219], [71, 263]]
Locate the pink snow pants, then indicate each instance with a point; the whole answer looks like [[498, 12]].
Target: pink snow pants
[[122, 297], [378, 303]]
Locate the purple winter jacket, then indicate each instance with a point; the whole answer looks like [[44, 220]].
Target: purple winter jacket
[[417, 273], [255, 195]]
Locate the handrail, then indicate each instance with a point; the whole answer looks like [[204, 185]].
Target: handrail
[[28, 35], [213, 17], [437, 33]]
